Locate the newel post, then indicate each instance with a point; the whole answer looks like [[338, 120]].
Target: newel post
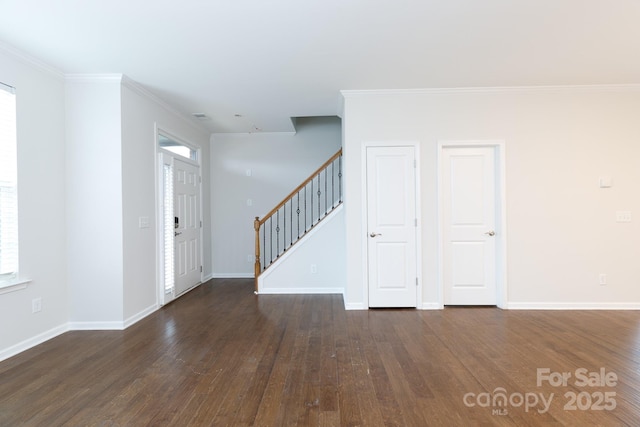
[[256, 268]]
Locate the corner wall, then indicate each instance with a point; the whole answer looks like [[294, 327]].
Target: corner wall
[[278, 162], [562, 231], [41, 204], [141, 114]]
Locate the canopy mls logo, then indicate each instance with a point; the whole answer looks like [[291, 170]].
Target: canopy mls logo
[[601, 400]]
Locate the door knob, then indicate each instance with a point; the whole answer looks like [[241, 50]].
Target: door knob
[[490, 233], [176, 234], [375, 234]]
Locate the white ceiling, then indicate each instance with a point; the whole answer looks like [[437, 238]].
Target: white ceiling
[[270, 60]]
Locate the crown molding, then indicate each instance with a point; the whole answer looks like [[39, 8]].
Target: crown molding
[[94, 78], [30, 60], [496, 89], [145, 93], [135, 87]]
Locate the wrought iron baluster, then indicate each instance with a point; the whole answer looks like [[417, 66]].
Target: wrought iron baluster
[[284, 227], [298, 212], [340, 177], [278, 233], [319, 194], [271, 239], [311, 203], [326, 204], [333, 185], [305, 208], [264, 246]]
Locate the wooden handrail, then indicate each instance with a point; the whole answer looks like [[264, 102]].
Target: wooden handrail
[[257, 223], [299, 187]]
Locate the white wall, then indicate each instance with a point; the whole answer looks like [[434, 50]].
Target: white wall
[[94, 200], [86, 173], [324, 247], [141, 114], [278, 163], [561, 226], [41, 187]]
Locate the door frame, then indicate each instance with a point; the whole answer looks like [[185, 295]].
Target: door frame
[[501, 214], [364, 221], [160, 155]]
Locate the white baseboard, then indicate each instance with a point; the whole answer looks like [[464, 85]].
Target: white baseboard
[[573, 306], [430, 306], [33, 341], [231, 276], [96, 326], [291, 291], [141, 315], [355, 306]]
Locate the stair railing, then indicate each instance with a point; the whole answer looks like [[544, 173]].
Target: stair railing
[[307, 205]]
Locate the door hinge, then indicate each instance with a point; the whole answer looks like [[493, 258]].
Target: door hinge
[[416, 281], [200, 224], [415, 222], [200, 269]]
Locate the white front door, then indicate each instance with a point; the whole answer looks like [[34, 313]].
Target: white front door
[[391, 222], [186, 208], [469, 225]]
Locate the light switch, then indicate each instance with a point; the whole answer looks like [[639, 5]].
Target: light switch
[[605, 182], [248, 172], [249, 202], [143, 222]]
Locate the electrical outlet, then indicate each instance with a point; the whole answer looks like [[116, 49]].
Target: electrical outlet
[[314, 269], [249, 258], [36, 305], [602, 279], [623, 216]]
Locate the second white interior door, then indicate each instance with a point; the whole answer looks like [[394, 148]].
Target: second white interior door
[[469, 225]]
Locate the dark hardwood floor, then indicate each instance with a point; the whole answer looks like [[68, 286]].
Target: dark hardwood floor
[[221, 356]]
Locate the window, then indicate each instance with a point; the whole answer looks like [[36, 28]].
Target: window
[[8, 186], [177, 147]]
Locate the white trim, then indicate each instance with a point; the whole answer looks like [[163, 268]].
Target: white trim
[[238, 134], [142, 91], [140, 315], [14, 285], [355, 306], [495, 89], [573, 306], [160, 161], [33, 341], [209, 277], [501, 220], [96, 326], [231, 276], [364, 220], [30, 60], [430, 306], [94, 78], [302, 290]]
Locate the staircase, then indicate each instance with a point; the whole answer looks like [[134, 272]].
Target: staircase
[[303, 209]]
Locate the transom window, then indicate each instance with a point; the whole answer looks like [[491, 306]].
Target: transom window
[[177, 147]]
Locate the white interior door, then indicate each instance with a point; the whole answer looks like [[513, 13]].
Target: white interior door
[[186, 206], [469, 225], [391, 222]]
